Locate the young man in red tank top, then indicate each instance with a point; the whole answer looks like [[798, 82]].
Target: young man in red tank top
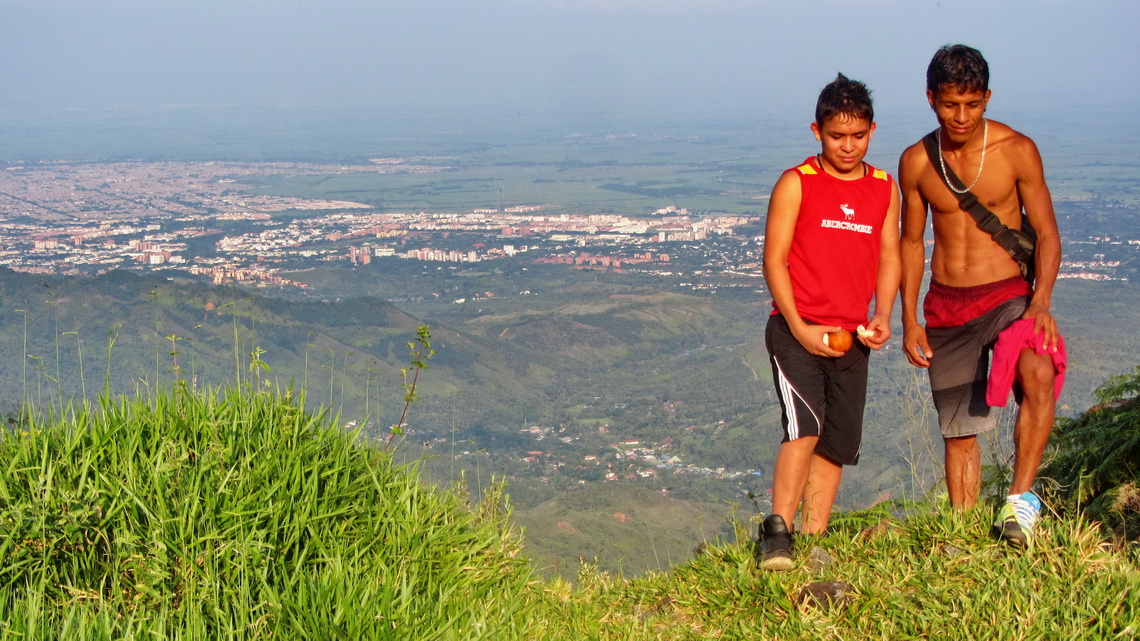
[[831, 245]]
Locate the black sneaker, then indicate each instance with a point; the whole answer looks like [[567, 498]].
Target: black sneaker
[[774, 549]]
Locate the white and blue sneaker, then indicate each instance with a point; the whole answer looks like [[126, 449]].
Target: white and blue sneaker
[[1016, 519]]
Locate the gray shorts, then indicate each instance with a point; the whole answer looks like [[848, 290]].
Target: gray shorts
[[960, 369]]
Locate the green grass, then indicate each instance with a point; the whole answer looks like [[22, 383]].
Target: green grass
[[238, 515], [908, 585]]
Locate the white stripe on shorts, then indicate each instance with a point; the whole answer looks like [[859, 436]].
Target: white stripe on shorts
[[789, 394]]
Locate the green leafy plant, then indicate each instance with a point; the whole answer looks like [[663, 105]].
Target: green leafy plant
[[1095, 458], [257, 365], [420, 352], [174, 338]]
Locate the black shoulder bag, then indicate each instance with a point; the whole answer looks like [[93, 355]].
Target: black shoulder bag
[[1018, 243]]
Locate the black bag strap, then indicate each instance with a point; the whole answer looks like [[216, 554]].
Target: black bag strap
[[986, 219]]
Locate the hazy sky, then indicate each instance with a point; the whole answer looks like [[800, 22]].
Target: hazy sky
[[599, 55]]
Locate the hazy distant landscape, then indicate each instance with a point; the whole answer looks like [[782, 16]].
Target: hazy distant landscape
[[613, 399], [227, 229]]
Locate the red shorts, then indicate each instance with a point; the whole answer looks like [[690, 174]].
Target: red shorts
[[946, 306]]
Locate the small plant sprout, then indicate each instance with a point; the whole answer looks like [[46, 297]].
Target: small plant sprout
[[79, 349], [370, 376], [256, 364], [420, 351], [112, 336], [174, 338], [157, 326], [344, 377], [308, 344], [24, 371]]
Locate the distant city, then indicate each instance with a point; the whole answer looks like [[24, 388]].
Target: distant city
[[87, 219], [198, 217]]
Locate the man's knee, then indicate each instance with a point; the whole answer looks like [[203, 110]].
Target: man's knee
[[1035, 374]]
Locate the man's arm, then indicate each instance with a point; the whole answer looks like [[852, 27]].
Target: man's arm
[[783, 211], [912, 254], [887, 284], [1038, 205]]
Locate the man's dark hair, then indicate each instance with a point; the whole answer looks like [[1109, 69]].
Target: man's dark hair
[[844, 96], [958, 67]]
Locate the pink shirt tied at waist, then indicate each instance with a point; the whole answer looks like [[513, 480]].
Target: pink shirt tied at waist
[[1003, 368]]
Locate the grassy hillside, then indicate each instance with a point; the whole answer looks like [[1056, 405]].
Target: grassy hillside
[[642, 363], [930, 576], [237, 515]]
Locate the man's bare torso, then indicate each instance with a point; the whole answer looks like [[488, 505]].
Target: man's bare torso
[[964, 255]]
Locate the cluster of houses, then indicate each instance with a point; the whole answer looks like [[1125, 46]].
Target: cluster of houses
[[627, 460]]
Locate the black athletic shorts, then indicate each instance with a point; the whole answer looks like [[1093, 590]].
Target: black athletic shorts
[[820, 396]]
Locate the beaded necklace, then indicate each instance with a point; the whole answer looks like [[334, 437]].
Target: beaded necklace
[[982, 163]]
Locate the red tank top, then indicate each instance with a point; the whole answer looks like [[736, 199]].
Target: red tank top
[[834, 258]]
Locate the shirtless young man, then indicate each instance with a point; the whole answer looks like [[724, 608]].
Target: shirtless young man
[[976, 288]]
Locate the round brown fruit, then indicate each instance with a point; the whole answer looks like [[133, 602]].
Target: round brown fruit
[[839, 340]]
